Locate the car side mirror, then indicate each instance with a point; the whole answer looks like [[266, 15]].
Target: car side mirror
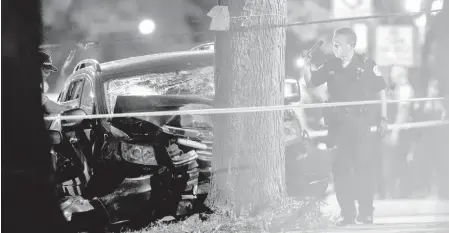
[[56, 137], [294, 94], [73, 112]]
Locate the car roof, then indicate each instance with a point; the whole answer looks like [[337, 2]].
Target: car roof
[[205, 46], [153, 61]]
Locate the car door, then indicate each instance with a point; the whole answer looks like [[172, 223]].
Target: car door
[[72, 94], [75, 141], [79, 94], [87, 103]]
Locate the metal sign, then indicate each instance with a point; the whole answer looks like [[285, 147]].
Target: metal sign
[[395, 45], [351, 8]]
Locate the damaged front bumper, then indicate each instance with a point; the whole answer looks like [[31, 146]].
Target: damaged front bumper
[[144, 198]]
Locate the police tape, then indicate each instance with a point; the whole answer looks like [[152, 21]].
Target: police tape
[[406, 126], [213, 111]]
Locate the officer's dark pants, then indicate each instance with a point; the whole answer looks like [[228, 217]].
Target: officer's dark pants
[[354, 168]]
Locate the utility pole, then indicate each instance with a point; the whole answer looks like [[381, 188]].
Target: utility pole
[[249, 71]]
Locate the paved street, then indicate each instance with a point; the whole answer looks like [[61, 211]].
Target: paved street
[[393, 228], [424, 215]]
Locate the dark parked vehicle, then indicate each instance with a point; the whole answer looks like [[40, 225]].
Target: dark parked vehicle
[[153, 166]]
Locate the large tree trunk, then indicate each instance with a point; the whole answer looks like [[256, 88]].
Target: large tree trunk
[[28, 195], [249, 148]]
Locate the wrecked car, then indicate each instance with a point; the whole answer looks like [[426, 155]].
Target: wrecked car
[[142, 168]]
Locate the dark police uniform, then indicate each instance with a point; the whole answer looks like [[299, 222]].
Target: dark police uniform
[[349, 129]]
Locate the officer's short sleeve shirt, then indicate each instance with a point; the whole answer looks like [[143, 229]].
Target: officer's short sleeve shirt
[[360, 80]]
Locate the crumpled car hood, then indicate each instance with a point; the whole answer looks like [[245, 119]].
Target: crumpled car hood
[[147, 126]]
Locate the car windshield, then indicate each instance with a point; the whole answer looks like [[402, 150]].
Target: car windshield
[[196, 81]]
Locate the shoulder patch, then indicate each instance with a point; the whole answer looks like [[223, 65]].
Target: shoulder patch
[[376, 70]]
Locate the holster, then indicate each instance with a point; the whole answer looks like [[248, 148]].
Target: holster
[[337, 118]]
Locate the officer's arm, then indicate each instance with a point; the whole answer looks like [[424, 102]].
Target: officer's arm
[[378, 84], [377, 80], [55, 108], [317, 77], [305, 99]]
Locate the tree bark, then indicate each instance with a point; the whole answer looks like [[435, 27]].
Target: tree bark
[[249, 71], [29, 199]]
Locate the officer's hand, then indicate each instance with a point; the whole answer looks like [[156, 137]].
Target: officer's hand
[[55, 108], [307, 60]]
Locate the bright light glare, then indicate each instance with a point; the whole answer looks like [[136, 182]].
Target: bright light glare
[[412, 5], [147, 26], [300, 62]]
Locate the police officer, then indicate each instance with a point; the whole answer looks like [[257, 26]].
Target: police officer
[[47, 67], [351, 77]]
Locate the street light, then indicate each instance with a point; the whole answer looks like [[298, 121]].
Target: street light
[[300, 62], [147, 26]]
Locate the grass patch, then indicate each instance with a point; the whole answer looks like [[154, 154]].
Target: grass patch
[[288, 214]]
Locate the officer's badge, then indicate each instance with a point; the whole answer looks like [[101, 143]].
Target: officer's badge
[[376, 71], [359, 72]]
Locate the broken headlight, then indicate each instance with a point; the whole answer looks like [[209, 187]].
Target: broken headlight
[[139, 154]]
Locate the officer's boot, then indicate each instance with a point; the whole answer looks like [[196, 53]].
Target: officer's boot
[[365, 214], [347, 217], [365, 219], [345, 221]]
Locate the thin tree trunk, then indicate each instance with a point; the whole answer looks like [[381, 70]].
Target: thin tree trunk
[[442, 45], [250, 70], [437, 36]]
